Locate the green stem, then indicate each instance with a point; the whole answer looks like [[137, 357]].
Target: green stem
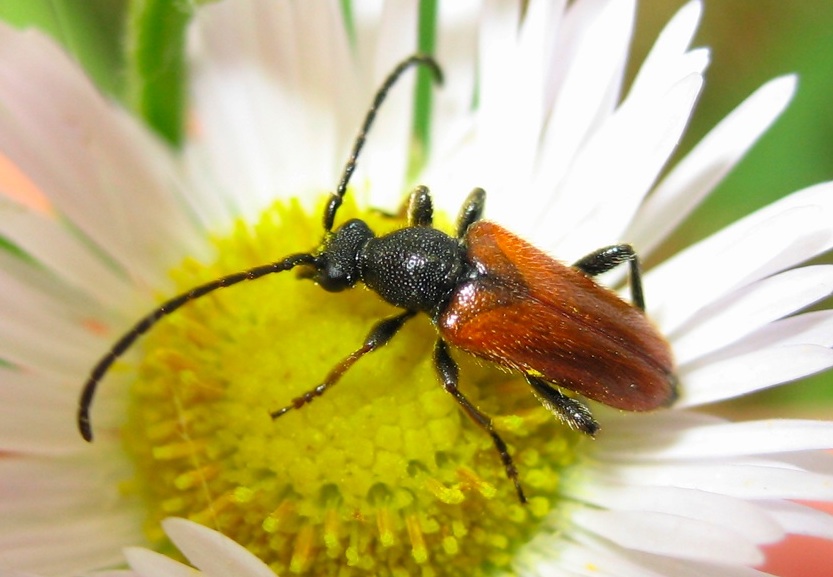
[[156, 64], [423, 96]]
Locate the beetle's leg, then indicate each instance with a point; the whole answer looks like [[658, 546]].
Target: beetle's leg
[[381, 333], [420, 207], [573, 412], [610, 257], [471, 211], [449, 372]]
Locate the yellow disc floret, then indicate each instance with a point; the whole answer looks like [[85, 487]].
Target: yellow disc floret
[[382, 475]]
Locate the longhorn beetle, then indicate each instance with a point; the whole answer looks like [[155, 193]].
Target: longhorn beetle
[[488, 293]]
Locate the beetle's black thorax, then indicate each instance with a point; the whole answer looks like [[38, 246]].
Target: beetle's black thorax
[[414, 268]]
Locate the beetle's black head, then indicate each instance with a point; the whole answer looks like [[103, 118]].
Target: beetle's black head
[[336, 266]]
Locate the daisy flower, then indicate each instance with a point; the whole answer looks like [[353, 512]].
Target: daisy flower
[[385, 475]]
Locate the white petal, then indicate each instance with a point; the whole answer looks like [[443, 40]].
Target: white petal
[[34, 304], [27, 316], [212, 552], [385, 158], [33, 297], [243, 115], [276, 100], [812, 328], [642, 426], [94, 162], [31, 278], [620, 562], [800, 519], [687, 64], [721, 440], [33, 414], [79, 544], [670, 48], [231, 100], [670, 535], [760, 480], [46, 487], [633, 146], [751, 372], [778, 352], [751, 307], [60, 250], [596, 214], [589, 556], [591, 56], [32, 308], [772, 239], [707, 163], [152, 564], [813, 461], [511, 77], [718, 510], [456, 52]]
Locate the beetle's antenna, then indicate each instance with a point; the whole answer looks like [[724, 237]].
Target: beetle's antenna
[[338, 195], [144, 325]]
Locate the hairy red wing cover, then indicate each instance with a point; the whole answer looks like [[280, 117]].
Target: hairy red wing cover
[[528, 312]]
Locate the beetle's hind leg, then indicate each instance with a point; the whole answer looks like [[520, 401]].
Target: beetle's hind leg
[[610, 257], [449, 372], [381, 333], [572, 411], [471, 211]]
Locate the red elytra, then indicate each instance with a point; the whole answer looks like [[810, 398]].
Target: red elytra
[[533, 314]]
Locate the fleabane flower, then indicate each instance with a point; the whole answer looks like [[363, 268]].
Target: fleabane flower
[[384, 474]]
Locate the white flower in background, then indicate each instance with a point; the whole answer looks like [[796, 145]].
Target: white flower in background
[[385, 475]]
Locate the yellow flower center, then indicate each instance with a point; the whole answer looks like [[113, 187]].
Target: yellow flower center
[[382, 475]]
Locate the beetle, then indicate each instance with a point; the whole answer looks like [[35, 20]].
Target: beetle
[[488, 292]]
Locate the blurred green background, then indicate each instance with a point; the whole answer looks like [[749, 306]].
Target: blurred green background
[[751, 42]]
